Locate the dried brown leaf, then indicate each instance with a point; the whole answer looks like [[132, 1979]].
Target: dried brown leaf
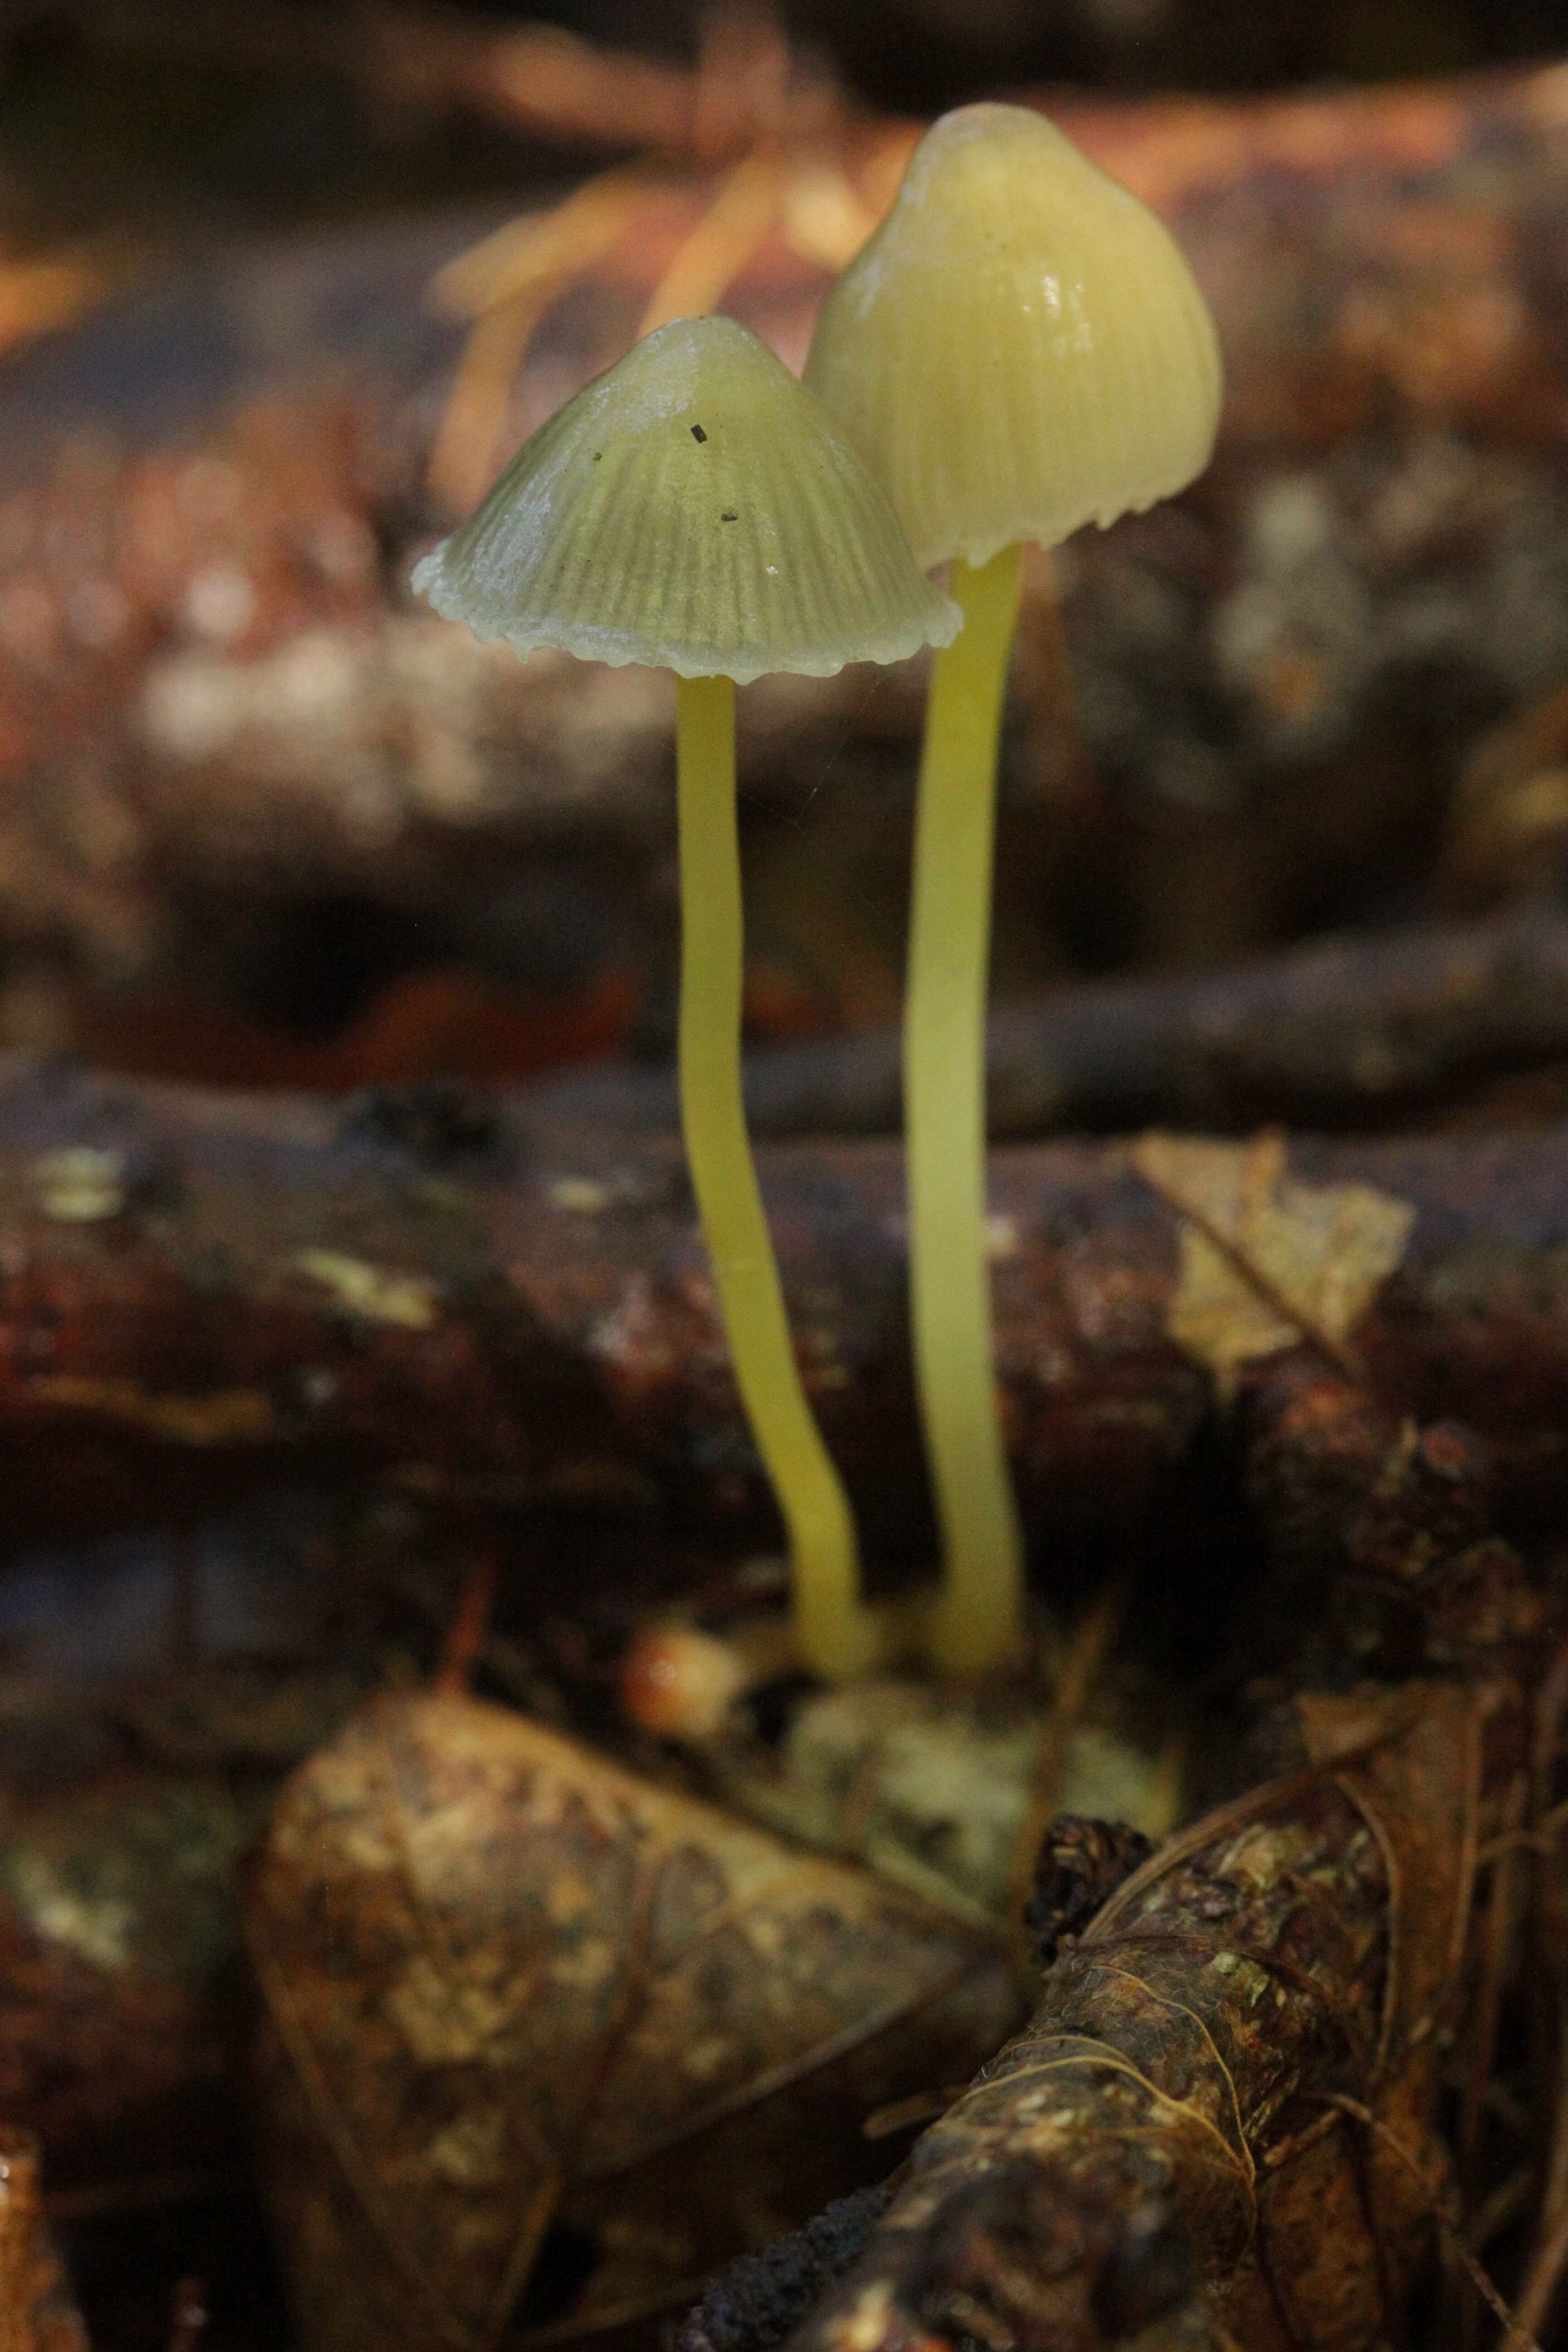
[[509, 1985], [1266, 1261]]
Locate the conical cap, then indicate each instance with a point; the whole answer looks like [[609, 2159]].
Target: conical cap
[[695, 509], [1021, 347]]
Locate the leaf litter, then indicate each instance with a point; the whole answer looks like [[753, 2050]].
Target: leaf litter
[[1219, 2129], [520, 2003], [546, 2046]]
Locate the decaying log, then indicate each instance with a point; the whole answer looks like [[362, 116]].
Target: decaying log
[[1217, 2130], [1350, 1031], [431, 1285]]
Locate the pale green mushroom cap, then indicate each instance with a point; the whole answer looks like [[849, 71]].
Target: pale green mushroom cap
[[695, 509], [1021, 347]]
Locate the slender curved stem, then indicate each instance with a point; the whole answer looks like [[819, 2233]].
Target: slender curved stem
[[979, 1610], [835, 1635]]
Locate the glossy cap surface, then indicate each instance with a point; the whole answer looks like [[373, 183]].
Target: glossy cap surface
[[695, 509], [1021, 347]]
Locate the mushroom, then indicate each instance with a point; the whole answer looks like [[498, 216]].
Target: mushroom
[[683, 1683], [1018, 350], [693, 508]]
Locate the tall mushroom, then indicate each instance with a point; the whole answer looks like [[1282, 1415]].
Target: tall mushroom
[[695, 509], [1018, 350]]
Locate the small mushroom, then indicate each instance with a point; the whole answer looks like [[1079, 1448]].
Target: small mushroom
[[1018, 350], [684, 1684], [695, 509]]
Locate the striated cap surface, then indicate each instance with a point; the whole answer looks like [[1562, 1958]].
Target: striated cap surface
[[695, 509], [1021, 347]]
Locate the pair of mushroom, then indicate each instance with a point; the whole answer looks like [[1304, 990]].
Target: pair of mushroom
[[1019, 349]]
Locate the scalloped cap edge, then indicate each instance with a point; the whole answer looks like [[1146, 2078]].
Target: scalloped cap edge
[[619, 647]]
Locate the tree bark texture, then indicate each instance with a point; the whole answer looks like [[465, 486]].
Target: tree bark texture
[[1217, 2129], [432, 1284]]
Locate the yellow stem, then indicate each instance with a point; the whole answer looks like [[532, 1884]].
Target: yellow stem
[[978, 1614], [835, 1635]]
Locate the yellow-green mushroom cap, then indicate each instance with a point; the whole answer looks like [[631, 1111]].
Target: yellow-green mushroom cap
[[1021, 347], [695, 509]]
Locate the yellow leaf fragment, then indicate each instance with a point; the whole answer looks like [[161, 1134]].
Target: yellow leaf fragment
[[1267, 1262], [380, 1294]]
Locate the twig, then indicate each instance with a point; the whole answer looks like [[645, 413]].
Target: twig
[[466, 1638]]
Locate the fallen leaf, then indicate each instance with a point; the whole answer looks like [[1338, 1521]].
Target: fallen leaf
[[515, 1994], [1267, 1262]]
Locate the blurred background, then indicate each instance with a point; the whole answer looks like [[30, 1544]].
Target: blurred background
[[164, 108], [261, 820], [281, 284]]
